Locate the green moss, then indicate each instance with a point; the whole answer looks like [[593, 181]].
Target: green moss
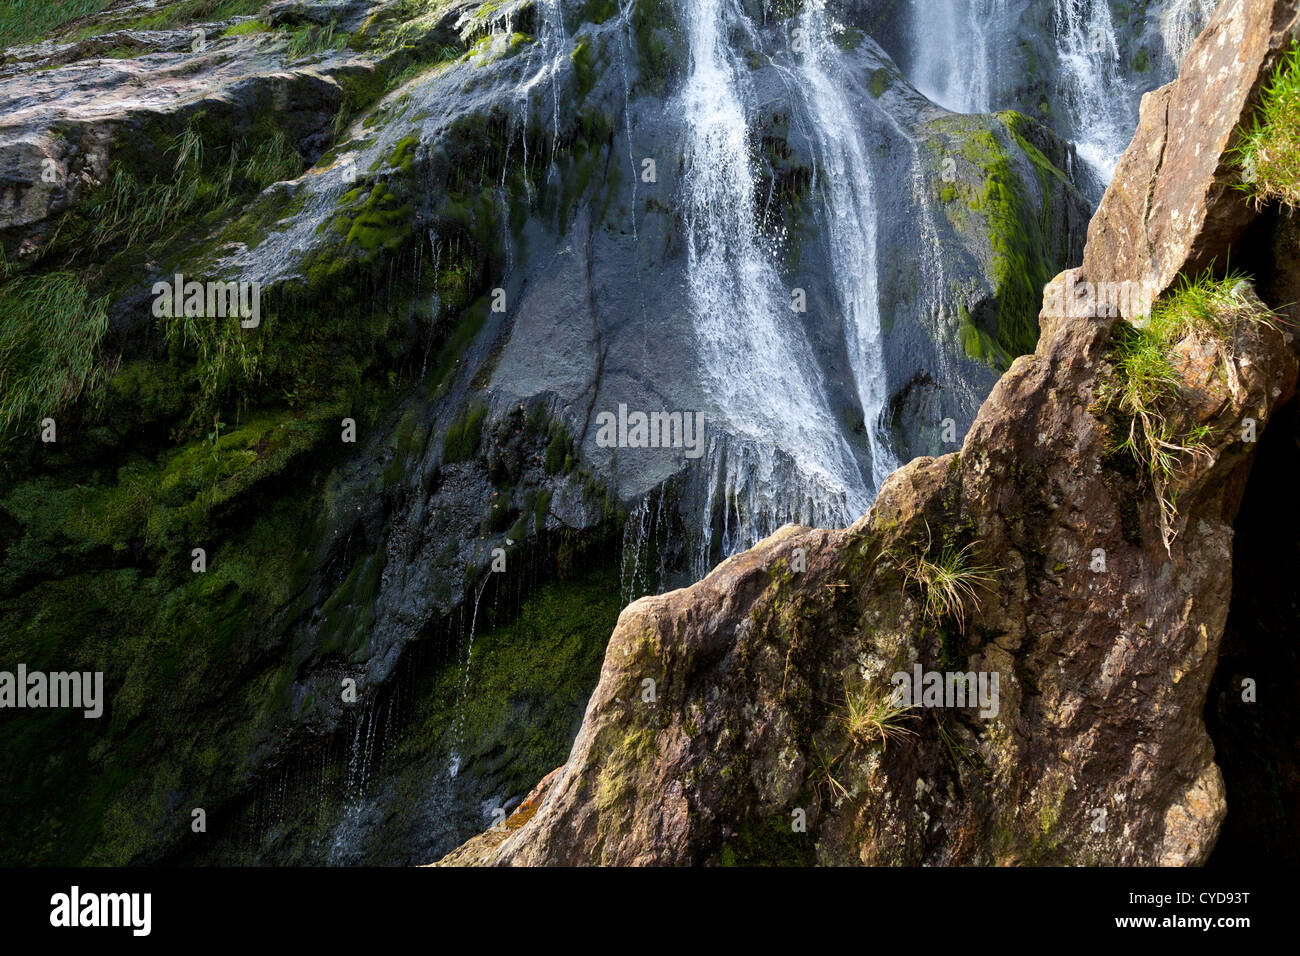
[[560, 451], [1017, 223], [623, 752], [772, 842], [657, 43], [383, 222], [347, 618], [849, 39], [880, 81], [525, 686], [403, 156], [465, 434], [246, 28], [541, 508], [597, 11], [170, 647], [584, 62]]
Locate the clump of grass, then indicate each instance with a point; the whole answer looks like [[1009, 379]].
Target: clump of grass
[[194, 11], [1146, 388], [870, 716], [823, 774], [203, 181], [50, 330], [308, 40], [949, 582], [1268, 152], [25, 21]]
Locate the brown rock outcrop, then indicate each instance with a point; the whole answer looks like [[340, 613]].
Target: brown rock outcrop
[[1171, 208], [744, 719]]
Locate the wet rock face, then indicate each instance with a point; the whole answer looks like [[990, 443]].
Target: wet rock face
[[70, 110], [727, 724], [95, 111]]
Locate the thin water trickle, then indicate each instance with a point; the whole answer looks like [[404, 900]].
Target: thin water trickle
[[454, 767], [847, 185], [953, 47]]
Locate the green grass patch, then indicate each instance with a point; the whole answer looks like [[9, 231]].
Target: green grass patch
[[26, 21], [1268, 152], [189, 11], [50, 329], [203, 180], [309, 39], [1145, 393]]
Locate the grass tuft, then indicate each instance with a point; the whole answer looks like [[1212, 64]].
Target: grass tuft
[[870, 716], [950, 583], [50, 330], [26, 21], [1146, 388], [1268, 152], [200, 184], [308, 40]]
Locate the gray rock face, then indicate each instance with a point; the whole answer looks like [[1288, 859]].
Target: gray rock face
[[609, 302]]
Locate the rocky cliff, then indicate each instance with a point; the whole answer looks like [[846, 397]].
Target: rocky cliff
[[474, 227], [1073, 558]]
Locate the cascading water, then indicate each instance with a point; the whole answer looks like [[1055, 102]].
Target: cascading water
[[955, 51], [458, 727], [952, 51], [1095, 92], [847, 186], [756, 361], [1180, 24], [553, 41]]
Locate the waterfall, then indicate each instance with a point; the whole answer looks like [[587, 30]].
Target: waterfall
[[1180, 24], [1095, 93], [757, 364], [954, 53], [951, 51], [848, 188]]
